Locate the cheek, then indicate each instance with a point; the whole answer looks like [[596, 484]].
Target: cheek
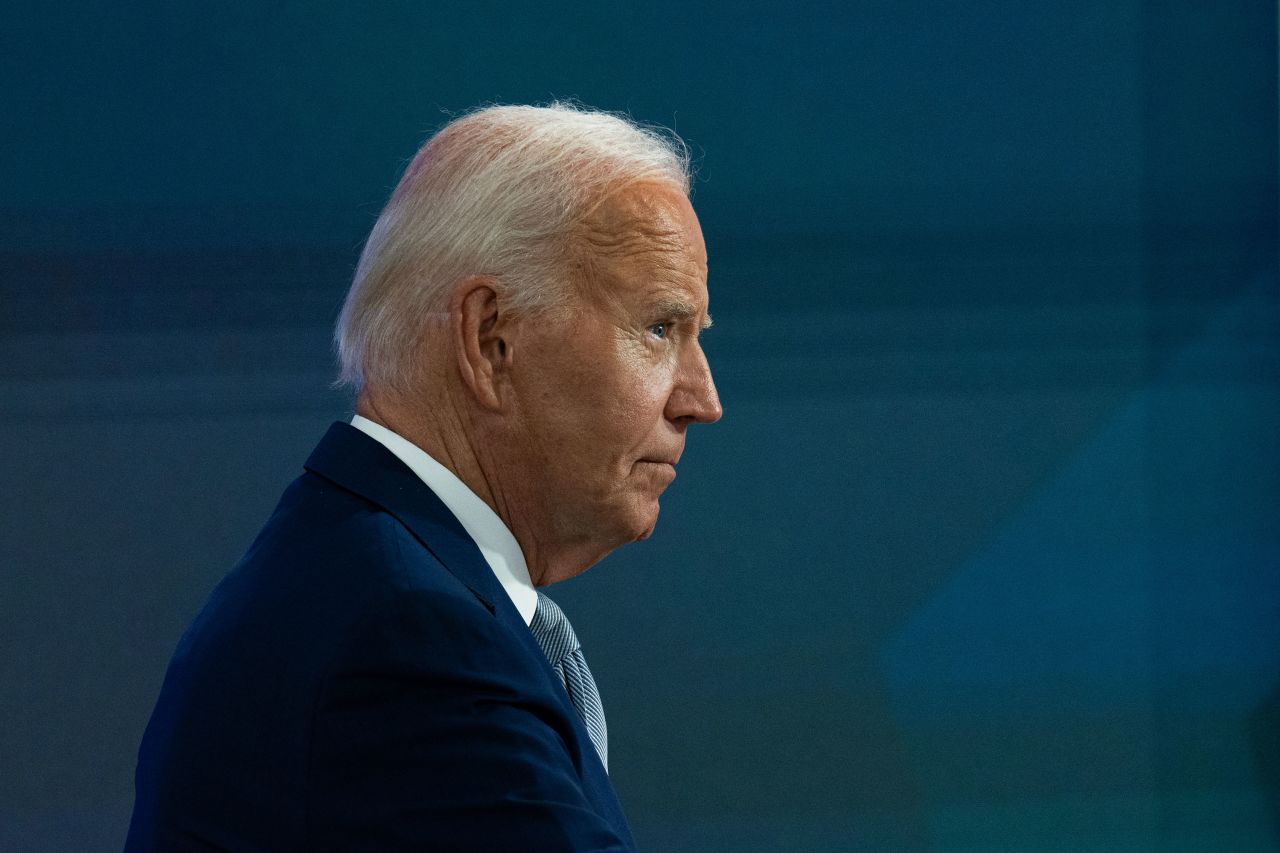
[[640, 407], [604, 403]]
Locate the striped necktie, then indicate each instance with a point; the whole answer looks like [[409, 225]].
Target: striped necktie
[[559, 643]]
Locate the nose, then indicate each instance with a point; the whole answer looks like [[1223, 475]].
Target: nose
[[694, 398]]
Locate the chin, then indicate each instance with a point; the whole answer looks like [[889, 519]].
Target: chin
[[630, 520], [647, 525]]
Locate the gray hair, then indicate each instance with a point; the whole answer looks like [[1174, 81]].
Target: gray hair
[[497, 192]]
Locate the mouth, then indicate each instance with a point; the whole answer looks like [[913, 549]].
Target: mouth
[[666, 466], [671, 457], [670, 461]]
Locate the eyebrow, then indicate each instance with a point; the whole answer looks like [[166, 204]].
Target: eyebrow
[[679, 310]]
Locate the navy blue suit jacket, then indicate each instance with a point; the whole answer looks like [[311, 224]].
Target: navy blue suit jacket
[[361, 681]]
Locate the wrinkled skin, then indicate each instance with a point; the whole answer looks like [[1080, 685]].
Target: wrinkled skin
[[571, 425]]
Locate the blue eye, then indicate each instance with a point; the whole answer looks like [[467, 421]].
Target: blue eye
[[659, 330]]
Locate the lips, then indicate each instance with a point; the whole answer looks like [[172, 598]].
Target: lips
[[664, 471], [671, 459], [654, 460]]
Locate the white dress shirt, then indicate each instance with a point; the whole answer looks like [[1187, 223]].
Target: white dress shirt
[[496, 542]]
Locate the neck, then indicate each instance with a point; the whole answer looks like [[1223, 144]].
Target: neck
[[446, 435]]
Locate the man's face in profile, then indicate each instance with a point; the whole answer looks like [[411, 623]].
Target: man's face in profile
[[606, 393]]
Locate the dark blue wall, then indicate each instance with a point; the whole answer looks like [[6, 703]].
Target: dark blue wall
[[984, 554]]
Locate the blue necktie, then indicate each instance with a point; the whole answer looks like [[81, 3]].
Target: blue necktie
[[559, 643]]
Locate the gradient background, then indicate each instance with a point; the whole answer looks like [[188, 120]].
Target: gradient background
[[985, 553]]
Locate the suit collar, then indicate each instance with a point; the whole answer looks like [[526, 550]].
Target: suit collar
[[362, 465], [490, 533]]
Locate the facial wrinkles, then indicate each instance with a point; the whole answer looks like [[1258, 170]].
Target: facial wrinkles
[[654, 287], [653, 271], [637, 238], [637, 257], [615, 412]]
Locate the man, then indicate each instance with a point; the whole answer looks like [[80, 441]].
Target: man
[[380, 671]]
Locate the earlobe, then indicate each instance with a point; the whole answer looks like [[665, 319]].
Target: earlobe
[[476, 326]]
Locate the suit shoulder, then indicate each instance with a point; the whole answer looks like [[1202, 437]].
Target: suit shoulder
[[332, 581], [336, 539]]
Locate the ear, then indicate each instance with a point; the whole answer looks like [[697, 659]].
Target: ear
[[476, 325]]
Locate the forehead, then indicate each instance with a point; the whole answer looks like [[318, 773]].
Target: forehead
[[645, 238]]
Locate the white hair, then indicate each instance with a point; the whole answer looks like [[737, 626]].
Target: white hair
[[497, 192]]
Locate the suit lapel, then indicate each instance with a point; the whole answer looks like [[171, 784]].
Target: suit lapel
[[360, 464]]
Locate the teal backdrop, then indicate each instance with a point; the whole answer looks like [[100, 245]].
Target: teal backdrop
[[985, 553]]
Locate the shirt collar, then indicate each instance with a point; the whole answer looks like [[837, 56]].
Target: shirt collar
[[496, 543]]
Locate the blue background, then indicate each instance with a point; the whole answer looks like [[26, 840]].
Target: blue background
[[984, 554]]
